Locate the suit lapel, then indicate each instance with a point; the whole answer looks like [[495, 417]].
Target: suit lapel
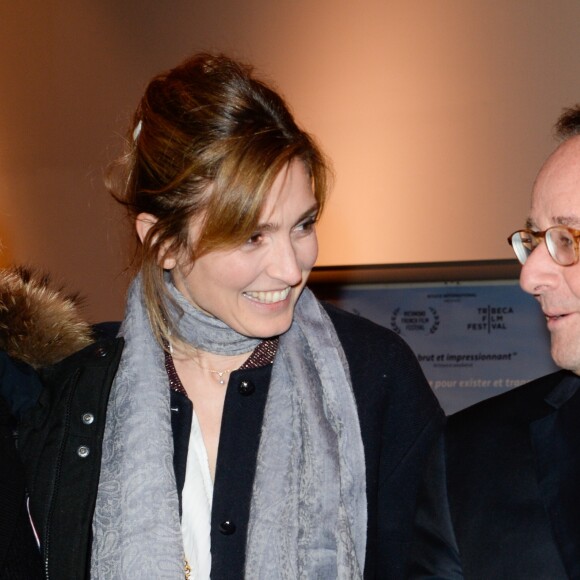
[[556, 443]]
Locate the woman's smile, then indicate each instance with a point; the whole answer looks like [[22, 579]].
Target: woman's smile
[[268, 297]]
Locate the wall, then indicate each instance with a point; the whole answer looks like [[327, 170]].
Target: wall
[[436, 113]]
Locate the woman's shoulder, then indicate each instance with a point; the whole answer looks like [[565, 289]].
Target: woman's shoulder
[[356, 329], [383, 367]]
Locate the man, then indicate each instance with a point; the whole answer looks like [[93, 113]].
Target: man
[[501, 497]]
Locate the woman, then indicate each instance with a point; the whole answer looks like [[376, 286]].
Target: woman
[[250, 432]]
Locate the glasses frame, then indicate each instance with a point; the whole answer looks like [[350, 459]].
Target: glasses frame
[[541, 236]]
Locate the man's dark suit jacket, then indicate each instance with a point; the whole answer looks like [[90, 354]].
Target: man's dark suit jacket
[[501, 496]]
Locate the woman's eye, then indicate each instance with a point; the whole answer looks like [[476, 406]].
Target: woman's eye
[[307, 225], [254, 239]]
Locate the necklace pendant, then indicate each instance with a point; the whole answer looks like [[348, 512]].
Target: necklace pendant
[[221, 379]]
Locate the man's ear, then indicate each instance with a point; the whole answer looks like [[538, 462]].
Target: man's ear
[[143, 224]]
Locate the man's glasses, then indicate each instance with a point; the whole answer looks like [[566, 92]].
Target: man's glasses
[[561, 241]]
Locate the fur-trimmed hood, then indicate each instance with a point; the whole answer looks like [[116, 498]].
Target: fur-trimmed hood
[[38, 324]]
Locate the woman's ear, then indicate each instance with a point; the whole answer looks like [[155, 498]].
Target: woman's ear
[[143, 224]]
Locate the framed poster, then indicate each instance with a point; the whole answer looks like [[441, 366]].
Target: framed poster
[[475, 332]]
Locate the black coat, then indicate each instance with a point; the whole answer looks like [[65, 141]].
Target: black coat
[[501, 493], [19, 554], [399, 417]]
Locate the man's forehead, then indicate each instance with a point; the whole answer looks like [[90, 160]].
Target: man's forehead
[[556, 192], [563, 163], [571, 221]]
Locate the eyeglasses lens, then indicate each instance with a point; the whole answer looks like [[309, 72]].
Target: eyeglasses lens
[[561, 245], [523, 244]]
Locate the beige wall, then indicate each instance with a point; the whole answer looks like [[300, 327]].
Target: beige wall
[[436, 113]]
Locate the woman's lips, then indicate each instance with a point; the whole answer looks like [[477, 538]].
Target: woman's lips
[[269, 297]]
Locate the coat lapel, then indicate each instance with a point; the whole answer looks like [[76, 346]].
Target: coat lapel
[[556, 443]]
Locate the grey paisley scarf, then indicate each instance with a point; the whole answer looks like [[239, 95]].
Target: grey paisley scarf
[[308, 513]]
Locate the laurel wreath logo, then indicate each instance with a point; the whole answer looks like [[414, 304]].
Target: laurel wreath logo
[[432, 329]]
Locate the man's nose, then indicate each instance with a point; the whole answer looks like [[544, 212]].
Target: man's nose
[[539, 271]]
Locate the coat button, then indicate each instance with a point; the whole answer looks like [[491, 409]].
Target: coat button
[[100, 352], [227, 528], [246, 388], [83, 451], [88, 418]]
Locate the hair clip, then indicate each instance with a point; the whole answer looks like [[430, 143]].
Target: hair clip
[[137, 130]]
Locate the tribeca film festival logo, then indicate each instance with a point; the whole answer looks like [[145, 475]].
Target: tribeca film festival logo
[[420, 320], [490, 318]]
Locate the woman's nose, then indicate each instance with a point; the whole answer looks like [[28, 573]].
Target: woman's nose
[[285, 264]]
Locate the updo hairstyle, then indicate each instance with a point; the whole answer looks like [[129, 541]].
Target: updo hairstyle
[[206, 143]]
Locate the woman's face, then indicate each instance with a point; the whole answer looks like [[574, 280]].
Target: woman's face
[[254, 288]]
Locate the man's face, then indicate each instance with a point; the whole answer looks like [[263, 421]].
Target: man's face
[[556, 201]]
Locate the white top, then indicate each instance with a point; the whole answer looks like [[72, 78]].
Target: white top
[[196, 501]]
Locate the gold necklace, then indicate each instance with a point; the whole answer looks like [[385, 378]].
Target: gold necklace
[[221, 375]]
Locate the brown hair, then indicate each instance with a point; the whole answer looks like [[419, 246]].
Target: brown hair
[[207, 141], [568, 124]]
